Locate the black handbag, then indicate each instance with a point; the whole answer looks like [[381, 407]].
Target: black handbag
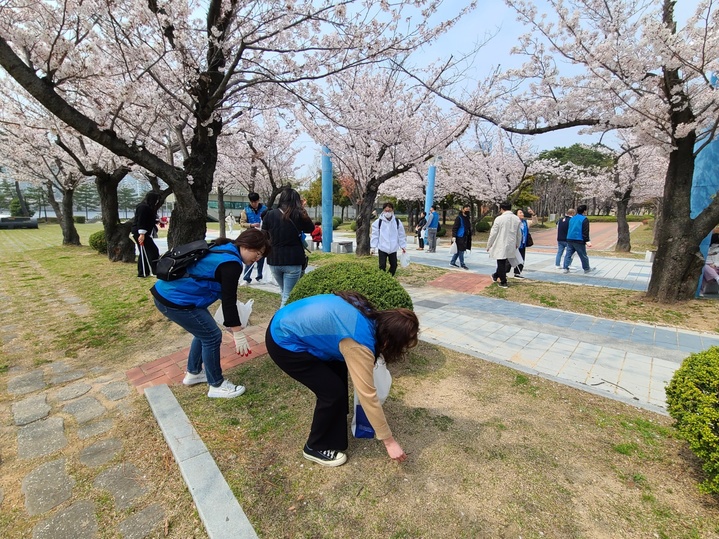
[[530, 241]]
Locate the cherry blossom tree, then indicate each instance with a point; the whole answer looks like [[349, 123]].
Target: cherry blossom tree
[[633, 67], [145, 79], [377, 128]]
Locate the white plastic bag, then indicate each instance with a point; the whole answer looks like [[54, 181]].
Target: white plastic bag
[[404, 259], [517, 260], [361, 427], [243, 309], [453, 248]]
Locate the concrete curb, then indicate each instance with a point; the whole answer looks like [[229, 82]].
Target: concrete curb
[[218, 508]]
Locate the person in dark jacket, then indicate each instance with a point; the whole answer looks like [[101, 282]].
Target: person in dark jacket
[[419, 229], [562, 227], [462, 236], [144, 224], [285, 224], [578, 240], [185, 301]]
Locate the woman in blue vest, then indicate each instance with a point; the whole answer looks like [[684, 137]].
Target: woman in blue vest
[[578, 240], [185, 302], [251, 217], [462, 236], [317, 341]]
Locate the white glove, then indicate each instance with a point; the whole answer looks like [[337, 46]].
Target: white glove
[[242, 347]]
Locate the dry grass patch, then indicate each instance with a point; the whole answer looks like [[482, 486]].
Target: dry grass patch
[[492, 453]]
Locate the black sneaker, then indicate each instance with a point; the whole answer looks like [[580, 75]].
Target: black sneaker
[[464, 267], [518, 276], [326, 457], [495, 277], [503, 285], [453, 264]]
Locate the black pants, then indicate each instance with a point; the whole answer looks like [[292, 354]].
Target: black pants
[[153, 253], [420, 239], [502, 265], [383, 263], [328, 381]]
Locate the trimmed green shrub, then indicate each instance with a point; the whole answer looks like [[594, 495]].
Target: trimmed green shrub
[[79, 219], [483, 225], [693, 400], [441, 231], [353, 226], [336, 221], [379, 287], [98, 242], [613, 218]]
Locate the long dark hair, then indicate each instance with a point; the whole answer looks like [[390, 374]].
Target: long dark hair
[[396, 330], [291, 204], [152, 199], [254, 239]]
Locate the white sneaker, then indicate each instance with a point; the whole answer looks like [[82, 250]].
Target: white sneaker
[[227, 390], [193, 379]]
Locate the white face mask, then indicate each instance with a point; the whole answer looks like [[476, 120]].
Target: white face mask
[[387, 215]]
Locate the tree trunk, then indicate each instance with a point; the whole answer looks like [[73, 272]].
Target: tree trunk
[[364, 221], [120, 248], [658, 218], [678, 262], [67, 223], [23, 207], [221, 211], [624, 244]]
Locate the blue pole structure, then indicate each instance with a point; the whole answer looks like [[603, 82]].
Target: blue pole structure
[[327, 206], [430, 187]]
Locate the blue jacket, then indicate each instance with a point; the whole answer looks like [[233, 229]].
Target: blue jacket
[[201, 291], [433, 221], [317, 325], [524, 227], [578, 229]]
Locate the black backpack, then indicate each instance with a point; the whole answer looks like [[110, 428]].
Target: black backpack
[[174, 263]]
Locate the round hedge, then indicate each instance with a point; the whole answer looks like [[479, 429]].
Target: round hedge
[[379, 287], [336, 221], [693, 402], [98, 242]]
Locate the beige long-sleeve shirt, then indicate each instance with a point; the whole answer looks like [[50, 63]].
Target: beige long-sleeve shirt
[[360, 364]]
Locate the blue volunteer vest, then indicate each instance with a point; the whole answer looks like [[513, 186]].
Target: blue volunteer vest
[[204, 290], [434, 221], [254, 216], [574, 232], [317, 325]]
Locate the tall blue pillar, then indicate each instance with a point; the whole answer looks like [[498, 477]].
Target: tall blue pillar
[[327, 205], [430, 187]]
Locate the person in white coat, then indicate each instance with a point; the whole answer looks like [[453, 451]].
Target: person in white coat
[[504, 240], [388, 237]]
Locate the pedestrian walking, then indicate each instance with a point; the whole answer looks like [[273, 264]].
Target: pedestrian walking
[[461, 237], [504, 239], [524, 229], [388, 237], [562, 228], [419, 230], [578, 240], [144, 224]]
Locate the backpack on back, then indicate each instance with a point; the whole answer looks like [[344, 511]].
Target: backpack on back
[[174, 263]]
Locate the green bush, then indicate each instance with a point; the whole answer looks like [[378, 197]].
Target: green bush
[[353, 226], [79, 219], [98, 242], [336, 221], [693, 400], [379, 287], [483, 225], [441, 231], [613, 218]]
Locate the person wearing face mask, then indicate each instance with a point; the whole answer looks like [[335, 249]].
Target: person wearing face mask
[[388, 237], [462, 236]]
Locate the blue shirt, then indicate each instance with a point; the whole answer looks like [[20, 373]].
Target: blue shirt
[[317, 325]]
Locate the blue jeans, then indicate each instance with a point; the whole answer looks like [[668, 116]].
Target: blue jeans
[[205, 347], [580, 248], [561, 246], [460, 255], [286, 277]]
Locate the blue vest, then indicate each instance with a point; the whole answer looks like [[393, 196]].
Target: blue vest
[[317, 325], [574, 232], [434, 221], [253, 216], [525, 230], [204, 290]]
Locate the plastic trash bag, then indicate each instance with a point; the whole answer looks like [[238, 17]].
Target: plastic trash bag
[[243, 309], [404, 259], [517, 260], [453, 248], [361, 427]]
